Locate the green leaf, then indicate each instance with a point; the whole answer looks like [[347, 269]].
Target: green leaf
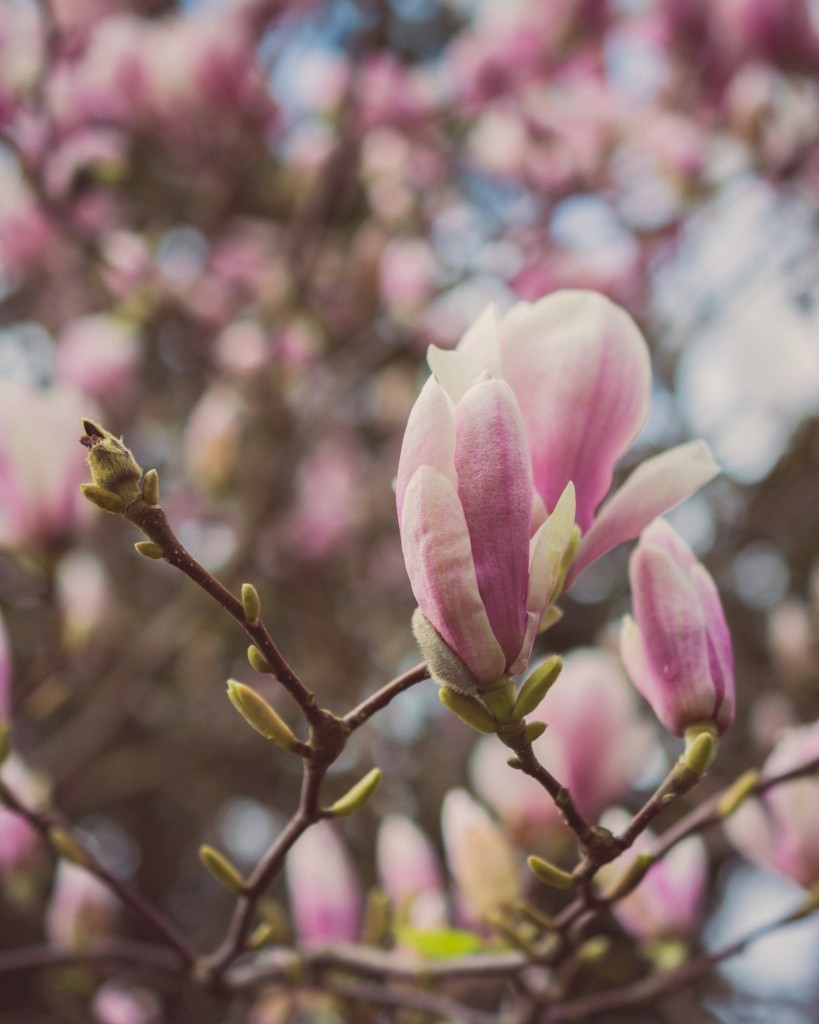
[[439, 943]]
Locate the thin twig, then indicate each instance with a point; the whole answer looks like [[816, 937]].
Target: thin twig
[[381, 698]]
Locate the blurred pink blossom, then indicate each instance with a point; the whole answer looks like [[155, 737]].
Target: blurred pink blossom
[[41, 463], [18, 839], [668, 903], [81, 911], [410, 873], [591, 708], [99, 354], [778, 830], [84, 595], [5, 673], [212, 437], [480, 858], [113, 1003], [325, 895]]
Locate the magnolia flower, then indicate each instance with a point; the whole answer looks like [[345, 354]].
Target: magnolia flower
[[325, 896], [579, 368], [590, 708], [778, 829], [480, 858], [18, 838], [678, 651], [41, 467], [668, 902], [81, 910], [410, 873], [465, 498]]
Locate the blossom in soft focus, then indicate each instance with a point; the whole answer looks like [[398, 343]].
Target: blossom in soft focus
[[465, 498], [84, 596], [579, 368], [98, 354], [18, 839], [41, 464], [668, 902], [410, 873], [5, 673], [677, 649], [81, 909], [591, 707], [778, 830], [480, 858], [325, 895], [114, 1003], [212, 437]]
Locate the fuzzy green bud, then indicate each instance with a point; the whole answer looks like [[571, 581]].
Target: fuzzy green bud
[[700, 748], [251, 602], [357, 796], [217, 865], [468, 709], [260, 715], [537, 686], [257, 659], [113, 467], [103, 498], [149, 549], [150, 487], [549, 873], [443, 663]]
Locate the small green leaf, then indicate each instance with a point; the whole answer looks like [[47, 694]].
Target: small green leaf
[[439, 943]]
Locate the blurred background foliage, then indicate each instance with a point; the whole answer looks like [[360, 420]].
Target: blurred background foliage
[[229, 230]]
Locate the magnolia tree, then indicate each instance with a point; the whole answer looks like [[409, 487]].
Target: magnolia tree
[[508, 754]]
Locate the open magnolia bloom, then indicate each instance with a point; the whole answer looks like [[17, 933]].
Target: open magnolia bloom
[[465, 496], [579, 369]]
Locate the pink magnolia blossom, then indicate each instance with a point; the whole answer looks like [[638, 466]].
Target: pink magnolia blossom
[[98, 354], [778, 830], [480, 858], [325, 895], [410, 873], [81, 909], [18, 839], [591, 707], [465, 500], [41, 463], [678, 651], [668, 902], [579, 368]]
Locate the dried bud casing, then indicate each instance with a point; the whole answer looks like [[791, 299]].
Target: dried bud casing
[[443, 663]]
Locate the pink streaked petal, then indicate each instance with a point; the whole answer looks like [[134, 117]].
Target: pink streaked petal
[[495, 489], [438, 556], [547, 548], [579, 367], [482, 340], [633, 655], [455, 371], [672, 624], [429, 440], [655, 486]]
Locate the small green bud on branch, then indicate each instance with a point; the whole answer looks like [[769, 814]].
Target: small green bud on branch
[[737, 793], [537, 686], [357, 796], [260, 715], [251, 602], [549, 873], [468, 709], [217, 865], [258, 660], [149, 549], [150, 487], [67, 847]]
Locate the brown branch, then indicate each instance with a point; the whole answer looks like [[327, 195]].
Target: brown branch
[[381, 698], [46, 821], [114, 953]]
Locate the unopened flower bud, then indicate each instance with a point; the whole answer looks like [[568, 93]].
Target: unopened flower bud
[[468, 709], [221, 869], [257, 659], [150, 487], [149, 549], [549, 873], [113, 467], [536, 686], [260, 715], [357, 796], [251, 602]]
